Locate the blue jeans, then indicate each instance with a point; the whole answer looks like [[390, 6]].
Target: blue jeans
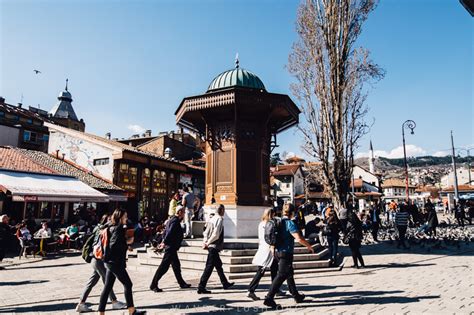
[[333, 246]]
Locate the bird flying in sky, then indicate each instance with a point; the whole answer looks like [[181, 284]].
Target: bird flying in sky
[[37, 71]]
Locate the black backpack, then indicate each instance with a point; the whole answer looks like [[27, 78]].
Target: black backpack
[[273, 231]]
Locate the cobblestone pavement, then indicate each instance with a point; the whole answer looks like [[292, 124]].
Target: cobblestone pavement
[[396, 281]]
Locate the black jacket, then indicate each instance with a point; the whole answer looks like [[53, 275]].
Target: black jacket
[[173, 234], [354, 227], [5, 233], [432, 219], [117, 251]]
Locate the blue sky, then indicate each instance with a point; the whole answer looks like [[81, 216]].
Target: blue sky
[[131, 62]]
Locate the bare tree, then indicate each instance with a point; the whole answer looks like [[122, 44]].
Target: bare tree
[[331, 85]]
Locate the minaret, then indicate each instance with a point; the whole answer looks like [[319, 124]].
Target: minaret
[[371, 159]]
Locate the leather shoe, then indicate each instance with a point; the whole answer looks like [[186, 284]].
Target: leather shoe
[[156, 290], [228, 285], [272, 304], [203, 291], [299, 298]]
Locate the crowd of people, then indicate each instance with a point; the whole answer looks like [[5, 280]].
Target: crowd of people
[[107, 244]]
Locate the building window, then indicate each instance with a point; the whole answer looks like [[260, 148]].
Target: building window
[[287, 185], [2, 114], [29, 136], [146, 177], [45, 138], [103, 161], [128, 177], [29, 120], [26, 135], [159, 182]]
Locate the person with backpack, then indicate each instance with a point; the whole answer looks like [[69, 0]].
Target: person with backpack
[[98, 270], [284, 251], [214, 243], [171, 243], [264, 256], [114, 247]]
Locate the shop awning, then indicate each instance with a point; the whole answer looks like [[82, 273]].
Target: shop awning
[[25, 186]]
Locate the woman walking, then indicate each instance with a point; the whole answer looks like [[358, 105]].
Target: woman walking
[[354, 236], [115, 262], [332, 228], [98, 272], [264, 256]]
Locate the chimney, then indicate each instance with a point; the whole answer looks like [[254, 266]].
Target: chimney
[[20, 104], [2, 100], [64, 154], [57, 154], [148, 133], [108, 135]]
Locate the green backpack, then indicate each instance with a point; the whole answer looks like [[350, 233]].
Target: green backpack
[[89, 245]]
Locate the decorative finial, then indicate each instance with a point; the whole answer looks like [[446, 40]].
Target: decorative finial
[[237, 60], [66, 83]]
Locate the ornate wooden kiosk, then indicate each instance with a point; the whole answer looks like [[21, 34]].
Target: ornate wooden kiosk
[[239, 121]]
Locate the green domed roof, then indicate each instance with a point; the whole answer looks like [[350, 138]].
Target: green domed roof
[[236, 77]]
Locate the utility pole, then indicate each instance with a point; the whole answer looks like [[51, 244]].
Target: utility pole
[[469, 166], [456, 192]]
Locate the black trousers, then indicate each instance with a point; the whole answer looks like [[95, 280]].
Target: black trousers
[[261, 272], [213, 261], [120, 273], [375, 230], [355, 250], [2, 251], [170, 257], [285, 272], [402, 230]]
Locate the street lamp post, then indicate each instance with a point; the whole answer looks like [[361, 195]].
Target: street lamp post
[[410, 124]]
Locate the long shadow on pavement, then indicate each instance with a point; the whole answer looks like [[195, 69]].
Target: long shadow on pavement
[[40, 308], [361, 299], [12, 283], [47, 266]]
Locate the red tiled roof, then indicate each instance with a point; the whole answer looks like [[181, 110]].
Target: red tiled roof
[[13, 160], [460, 188], [285, 170], [395, 182]]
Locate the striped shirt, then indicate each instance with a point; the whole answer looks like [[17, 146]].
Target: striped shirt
[[401, 218]]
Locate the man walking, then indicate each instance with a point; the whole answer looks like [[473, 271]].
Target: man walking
[[188, 204], [284, 253], [214, 243], [375, 220], [401, 221], [5, 232], [171, 244]]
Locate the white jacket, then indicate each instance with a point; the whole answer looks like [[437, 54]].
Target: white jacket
[[264, 256]]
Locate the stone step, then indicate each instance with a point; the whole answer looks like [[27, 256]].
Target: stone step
[[200, 265], [197, 249], [235, 260]]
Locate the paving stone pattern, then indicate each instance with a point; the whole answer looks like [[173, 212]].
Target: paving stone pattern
[[396, 281]]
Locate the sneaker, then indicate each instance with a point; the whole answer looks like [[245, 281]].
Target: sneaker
[[117, 305], [272, 304], [253, 296], [83, 308], [299, 298], [228, 285], [138, 312]]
